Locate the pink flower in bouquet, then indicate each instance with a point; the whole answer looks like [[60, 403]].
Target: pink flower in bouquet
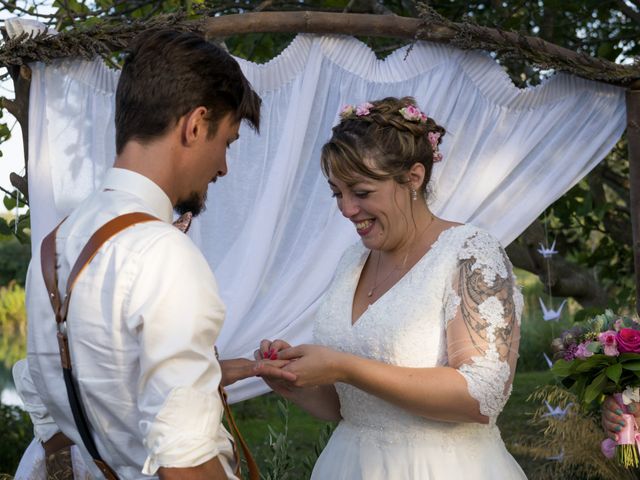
[[608, 448], [608, 340], [628, 340], [618, 325], [570, 352], [582, 351]]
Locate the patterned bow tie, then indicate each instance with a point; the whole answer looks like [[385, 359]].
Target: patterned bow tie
[[183, 222]]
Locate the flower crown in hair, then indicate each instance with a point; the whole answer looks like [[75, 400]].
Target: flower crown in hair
[[410, 113]]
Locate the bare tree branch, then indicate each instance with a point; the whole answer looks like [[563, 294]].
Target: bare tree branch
[[565, 278], [13, 7]]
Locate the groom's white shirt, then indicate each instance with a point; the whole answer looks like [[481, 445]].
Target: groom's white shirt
[[143, 319]]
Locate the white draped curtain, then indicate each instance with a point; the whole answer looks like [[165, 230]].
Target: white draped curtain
[[271, 231]]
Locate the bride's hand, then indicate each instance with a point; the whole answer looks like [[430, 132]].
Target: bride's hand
[[280, 381], [612, 421], [269, 349], [313, 365]]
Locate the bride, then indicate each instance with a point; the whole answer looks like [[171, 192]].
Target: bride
[[417, 337]]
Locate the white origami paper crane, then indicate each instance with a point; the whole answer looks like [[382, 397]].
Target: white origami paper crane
[[546, 357], [559, 457], [548, 252], [549, 314], [556, 412]]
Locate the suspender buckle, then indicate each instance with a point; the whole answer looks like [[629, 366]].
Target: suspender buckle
[[63, 344]]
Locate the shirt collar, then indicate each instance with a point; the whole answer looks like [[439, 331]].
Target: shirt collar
[[124, 180]]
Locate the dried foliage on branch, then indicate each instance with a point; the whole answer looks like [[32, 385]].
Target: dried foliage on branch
[[507, 44], [106, 36], [95, 40]]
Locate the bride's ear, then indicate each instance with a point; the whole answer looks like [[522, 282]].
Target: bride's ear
[[415, 176]]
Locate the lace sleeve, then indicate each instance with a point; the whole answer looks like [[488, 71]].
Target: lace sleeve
[[482, 310]]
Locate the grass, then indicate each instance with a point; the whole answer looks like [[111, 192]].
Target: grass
[[514, 419], [261, 419]]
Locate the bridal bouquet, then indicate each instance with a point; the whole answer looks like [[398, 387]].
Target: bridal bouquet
[[602, 356]]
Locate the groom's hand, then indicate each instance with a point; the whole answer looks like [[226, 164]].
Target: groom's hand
[[239, 368]]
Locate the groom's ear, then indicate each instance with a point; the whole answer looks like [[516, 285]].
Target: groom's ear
[[194, 126]]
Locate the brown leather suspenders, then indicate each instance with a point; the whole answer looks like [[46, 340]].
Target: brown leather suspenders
[[61, 308]]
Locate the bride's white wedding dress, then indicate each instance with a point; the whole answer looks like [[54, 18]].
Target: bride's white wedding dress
[[458, 306]]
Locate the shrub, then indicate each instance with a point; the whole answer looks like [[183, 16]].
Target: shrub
[[13, 324], [14, 261], [17, 433], [536, 335]]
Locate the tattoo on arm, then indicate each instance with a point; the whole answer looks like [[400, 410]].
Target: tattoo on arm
[[473, 291]]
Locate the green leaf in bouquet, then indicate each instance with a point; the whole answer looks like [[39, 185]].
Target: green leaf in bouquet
[[614, 372], [579, 386], [597, 324], [594, 390], [561, 368], [626, 357], [633, 365], [594, 347], [592, 362]]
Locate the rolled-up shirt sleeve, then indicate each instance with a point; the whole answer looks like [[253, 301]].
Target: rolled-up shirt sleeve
[[175, 312], [44, 427]]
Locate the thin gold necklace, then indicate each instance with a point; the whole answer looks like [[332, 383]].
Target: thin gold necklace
[[395, 269]]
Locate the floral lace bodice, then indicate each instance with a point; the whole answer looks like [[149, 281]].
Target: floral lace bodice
[[458, 306]]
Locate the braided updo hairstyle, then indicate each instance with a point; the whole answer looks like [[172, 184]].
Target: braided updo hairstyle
[[380, 145]]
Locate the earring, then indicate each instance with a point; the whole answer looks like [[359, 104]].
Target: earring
[[414, 195]]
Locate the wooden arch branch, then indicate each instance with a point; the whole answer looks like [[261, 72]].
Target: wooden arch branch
[[106, 38], [431, 27]]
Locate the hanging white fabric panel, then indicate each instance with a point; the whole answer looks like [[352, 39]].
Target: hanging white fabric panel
[[271, 231]]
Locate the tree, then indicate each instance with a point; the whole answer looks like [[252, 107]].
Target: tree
[[591, 223]]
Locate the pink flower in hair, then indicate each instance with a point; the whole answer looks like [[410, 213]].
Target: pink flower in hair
[[411, 113], [347, 111], [363, 109], [433, 139]]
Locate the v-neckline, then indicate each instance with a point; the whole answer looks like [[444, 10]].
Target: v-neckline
[[363, 262]]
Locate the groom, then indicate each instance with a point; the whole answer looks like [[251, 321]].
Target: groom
[[146, 313]]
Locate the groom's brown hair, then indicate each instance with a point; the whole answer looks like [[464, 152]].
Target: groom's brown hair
[[169, 73]]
